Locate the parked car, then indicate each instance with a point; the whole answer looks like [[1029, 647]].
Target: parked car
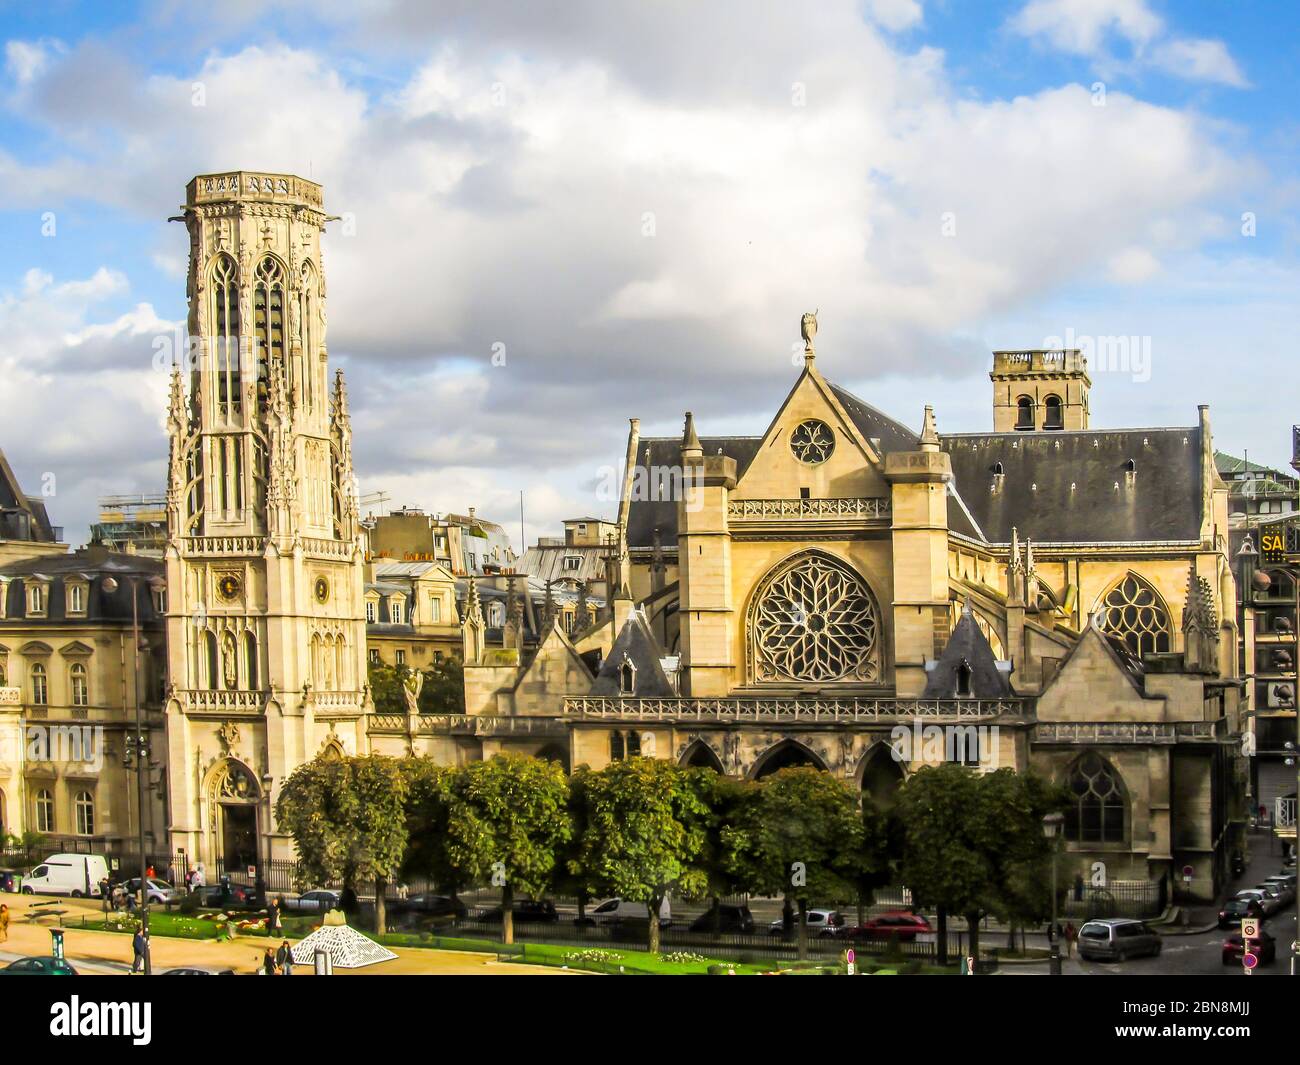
[[428, 904], [1235, 909], [159, 891], [227, 897], [192, 970], [526, 911], [821, 923], [1268, 900], [1115, 939], [1264, 947], [727, 918], [898, 925], [614, 911], [76, 875], [9, 880], [38, 967], [1283, 877], [321, 900]]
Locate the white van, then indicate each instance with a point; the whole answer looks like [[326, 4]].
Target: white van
[[612, 910], [77, 875]]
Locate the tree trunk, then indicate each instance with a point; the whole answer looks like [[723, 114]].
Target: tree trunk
[[507, 914], [803, 930], [653, 906], [381, 914], [787, 919], [973, 924], [1011, 936], [716, 903], [942, 937]]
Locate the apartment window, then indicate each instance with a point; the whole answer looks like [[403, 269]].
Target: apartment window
[[370, 611], [401, 657], [395, 611], [84, 806], [470, 561], [374, 656], [80, 688], [44, 811], [496, 615], [36, 600], [40, 686], [160, 601], [76, 599], [437, 657], [435, 610], [572, 563], [582, 526]]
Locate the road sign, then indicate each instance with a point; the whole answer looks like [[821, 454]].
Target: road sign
[[1249, 928], [1187, 874], [1249, 961], [252, 872]]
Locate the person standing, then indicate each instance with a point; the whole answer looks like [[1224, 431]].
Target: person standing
[[1071, 934], [139, 944], [4, 923], [284, 959], [268, 962], [273, 916]]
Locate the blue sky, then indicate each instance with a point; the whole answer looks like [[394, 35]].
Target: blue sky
[[1096, 160]]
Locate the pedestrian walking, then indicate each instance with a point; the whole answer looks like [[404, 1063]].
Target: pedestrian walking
[[1071, 934], [268, 962], [273, 916], [4, 923], [284, 959], [139, 944]]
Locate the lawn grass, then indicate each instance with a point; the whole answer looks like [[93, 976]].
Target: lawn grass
[[184, 926]]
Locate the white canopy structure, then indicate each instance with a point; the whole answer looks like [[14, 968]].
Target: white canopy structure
[[347, 948]]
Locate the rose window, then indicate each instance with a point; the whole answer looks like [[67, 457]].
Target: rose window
[[812, 442], [814, 619]]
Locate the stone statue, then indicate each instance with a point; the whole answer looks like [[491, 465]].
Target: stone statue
[[412, 684], [808, 329]]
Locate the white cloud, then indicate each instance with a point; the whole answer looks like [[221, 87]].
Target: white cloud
[[1199, 60], [894, 15], [1132, 266]]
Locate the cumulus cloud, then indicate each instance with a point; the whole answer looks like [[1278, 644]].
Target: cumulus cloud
[[631, 224]]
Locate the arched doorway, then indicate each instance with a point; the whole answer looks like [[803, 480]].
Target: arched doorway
[[234, 797], [882, 775], [786, 755], [699, 755]]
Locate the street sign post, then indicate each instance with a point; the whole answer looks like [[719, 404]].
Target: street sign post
[[1187, 874], [1249, 961], [1249, 928], [848, 960]]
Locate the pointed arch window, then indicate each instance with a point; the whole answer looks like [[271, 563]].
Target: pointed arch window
[[307, 330], [250, 659], [268, 322], [627, 676], [1134, 612], [1096, 810], [617, 750], [211, 659], [225, 334]]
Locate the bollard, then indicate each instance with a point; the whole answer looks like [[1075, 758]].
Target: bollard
[[323, 964]]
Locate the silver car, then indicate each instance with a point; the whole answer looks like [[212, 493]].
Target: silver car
[[821, 923], [1115, 939]]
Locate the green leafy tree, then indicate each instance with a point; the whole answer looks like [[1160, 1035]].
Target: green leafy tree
[[800, 835], [386, 688], [444, 688], [507, 823], [347, 818], [646, 834], [428, 810], [724, 797]]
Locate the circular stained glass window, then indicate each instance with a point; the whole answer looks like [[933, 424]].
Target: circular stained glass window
[[812, 442]]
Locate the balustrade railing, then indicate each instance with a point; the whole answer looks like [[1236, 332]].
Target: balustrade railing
[[791, 710], [864, 507]]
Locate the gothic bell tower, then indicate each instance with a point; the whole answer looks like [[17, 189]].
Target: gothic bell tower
[[265, 554]]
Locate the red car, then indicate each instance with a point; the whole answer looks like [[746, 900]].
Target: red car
[[900, 925], [1263, 947]]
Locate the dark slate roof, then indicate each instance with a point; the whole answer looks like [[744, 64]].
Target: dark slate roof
[[873, 424], [22, 517], [93, 564], [967, 644], [645, 514], [637, 642], [1040, 469]]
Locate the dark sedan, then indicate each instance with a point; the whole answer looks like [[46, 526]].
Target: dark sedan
[[1263, 946], [529, 911], [38, 967]]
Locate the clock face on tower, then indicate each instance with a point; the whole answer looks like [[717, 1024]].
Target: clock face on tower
[[322, 590], [228, 586]]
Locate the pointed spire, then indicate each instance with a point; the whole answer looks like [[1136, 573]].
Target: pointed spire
[[1015, 549], [340, 398], [473, 605], [929, 431], [691, 447]]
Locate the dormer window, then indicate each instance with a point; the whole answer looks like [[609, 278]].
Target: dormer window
[[435, 609], [370, 611], [395, 611], [76, 598], [36, 600], [964, 679], [627, 677], [572, 563]]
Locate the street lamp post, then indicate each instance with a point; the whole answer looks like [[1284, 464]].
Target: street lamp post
[[137, 748], [1051, 831]]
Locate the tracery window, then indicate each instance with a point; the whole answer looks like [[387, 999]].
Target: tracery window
[[1134, 612], [812, 442], [1096, 810], [268, 322], [225, 334], [814, 619]]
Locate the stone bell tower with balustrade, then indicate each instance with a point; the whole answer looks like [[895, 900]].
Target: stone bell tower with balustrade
[[265, 553]]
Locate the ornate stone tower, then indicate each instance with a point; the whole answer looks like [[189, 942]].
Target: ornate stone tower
[[1039, 390], [265, 554]]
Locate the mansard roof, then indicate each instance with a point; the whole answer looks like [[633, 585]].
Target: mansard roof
[[22, 517], [1070, 486]]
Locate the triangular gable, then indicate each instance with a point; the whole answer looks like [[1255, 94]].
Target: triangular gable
[[1093, 683], [854, 468], [638, 643], [556, 669]]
